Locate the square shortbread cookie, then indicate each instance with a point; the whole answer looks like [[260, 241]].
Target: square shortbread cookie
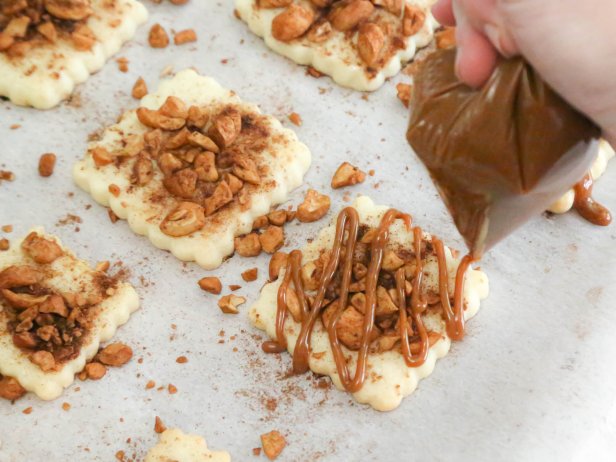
[[48, 71], [174, 445], [388, 378], [357, 43], [55, 311], [199, 179]]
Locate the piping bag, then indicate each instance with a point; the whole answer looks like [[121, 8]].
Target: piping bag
[[498, 155]]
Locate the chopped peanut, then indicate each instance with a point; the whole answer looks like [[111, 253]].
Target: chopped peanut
[[140, 89], [314, 207], [250, 274], [116, 354], [47, 162], [347, 175], [229, 303], [248, 246], [370, 43], [295, 119], [211, 285], [273, 443], [158, 37], [272, 239], [292, 23], [159, 426], [404, 93], [10, 388], [277, 262], [349, 14], [95, 371], [185, 36]]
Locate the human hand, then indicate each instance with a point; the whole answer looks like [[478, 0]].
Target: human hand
[[570, 43]]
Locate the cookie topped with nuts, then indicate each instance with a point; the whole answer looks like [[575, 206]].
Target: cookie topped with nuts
[[371, 302], [54, 312], [49, 46], [359, 43], [193, 167]]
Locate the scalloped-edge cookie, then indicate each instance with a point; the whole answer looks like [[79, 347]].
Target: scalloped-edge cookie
[[174, 445], [388, 378], [48, 72], [55, 311], [203, 178], [330, 44], [599, 166]]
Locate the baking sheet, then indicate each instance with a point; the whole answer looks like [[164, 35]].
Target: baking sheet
[[533, 380]]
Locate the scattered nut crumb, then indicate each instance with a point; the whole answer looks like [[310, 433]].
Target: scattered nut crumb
[[159, 426], [172, 389], [95, 371], [229, 303], [151, 384], [314, 207], [273, 443], [112, 216], [210, 284], [295, 119], [181, 360], [15, 126], [234, 287], [66, 406], [140, 89], [27, 410], [185, 36], [7, 228], [256, 451], [116, 354], [404, 93], [122, 64], [4, 244], [347, 175], [250, 274], [47, 162], [158, 37]]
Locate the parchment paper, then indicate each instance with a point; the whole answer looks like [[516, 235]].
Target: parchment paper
[[535, 378]]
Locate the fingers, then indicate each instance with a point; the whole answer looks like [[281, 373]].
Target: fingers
[[476, 57], [443, 12]]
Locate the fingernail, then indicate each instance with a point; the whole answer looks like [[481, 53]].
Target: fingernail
[[494, 35]]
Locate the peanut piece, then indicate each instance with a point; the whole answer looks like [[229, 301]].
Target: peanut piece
[[250, 274], [248, 246], [349, 15], [140, 89], [185, 219], [314, 207], [158, 37], [370, 43], [116, 354], [277, 262], [292, 23], [211, 285], [273, 443], [272, 239], [41, 250], [229, 303], [347, 175], [47, 162]]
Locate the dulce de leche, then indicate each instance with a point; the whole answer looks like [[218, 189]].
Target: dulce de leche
[[498, 155]]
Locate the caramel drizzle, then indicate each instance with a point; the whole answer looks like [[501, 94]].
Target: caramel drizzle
[[586, 206], [410, 320]]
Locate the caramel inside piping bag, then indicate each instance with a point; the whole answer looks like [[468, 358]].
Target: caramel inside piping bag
[[498, 155]]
